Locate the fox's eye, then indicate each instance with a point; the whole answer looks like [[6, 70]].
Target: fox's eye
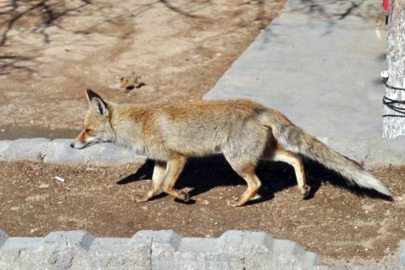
[[88, 130]]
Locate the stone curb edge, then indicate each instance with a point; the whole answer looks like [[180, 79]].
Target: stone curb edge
[[160, 250], [151, 250], [58, 151], [367, 151]]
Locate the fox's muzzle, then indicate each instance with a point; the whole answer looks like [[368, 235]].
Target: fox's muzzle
[[79, 145], [82, 145]]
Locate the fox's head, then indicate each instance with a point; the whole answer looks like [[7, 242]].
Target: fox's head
[[97, 127]]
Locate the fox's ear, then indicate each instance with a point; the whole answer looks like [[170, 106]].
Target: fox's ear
[[97, 103]]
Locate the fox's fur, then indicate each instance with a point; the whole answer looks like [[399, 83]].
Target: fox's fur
[[243, 130]]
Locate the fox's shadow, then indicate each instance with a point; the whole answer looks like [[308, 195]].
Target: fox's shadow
[[203, 174]]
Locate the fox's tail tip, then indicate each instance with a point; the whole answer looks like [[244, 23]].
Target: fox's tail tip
[[384, 192], [366, 180], [386, 197]]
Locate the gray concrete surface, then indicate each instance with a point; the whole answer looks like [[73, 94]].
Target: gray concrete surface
[[161, 250], [59, 152], [318, 66]]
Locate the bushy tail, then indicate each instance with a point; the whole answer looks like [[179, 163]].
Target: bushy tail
[[294, 139]]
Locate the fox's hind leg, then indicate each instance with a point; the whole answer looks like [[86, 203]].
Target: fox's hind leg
[[280, 154], [246, 170], [157, 181]]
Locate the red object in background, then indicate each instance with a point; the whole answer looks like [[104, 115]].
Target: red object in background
[[386, 6]]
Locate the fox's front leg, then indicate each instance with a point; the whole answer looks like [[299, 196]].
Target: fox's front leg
[[174, 168], [157, 182]]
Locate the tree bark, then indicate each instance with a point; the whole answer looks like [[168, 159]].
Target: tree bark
[[395, 126]]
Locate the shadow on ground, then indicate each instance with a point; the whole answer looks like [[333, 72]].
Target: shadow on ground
[[204, 174]]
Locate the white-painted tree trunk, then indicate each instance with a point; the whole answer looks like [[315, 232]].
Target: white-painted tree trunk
[[395, 126]]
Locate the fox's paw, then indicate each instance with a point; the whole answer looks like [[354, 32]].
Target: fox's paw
[[236, 204], [142, 198], [184, 196], [305, 190]]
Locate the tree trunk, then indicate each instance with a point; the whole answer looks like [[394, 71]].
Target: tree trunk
[[394, 126]]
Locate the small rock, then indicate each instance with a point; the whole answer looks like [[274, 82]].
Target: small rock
[[36, 198], [43, 186], [59, 178], [14, 208]]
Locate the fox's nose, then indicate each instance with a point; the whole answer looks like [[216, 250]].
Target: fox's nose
[[72, 145]]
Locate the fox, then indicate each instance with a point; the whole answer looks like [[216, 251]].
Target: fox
[[243, 130]]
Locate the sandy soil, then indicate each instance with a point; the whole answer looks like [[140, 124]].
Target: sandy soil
[[52, 50], [343, 226]]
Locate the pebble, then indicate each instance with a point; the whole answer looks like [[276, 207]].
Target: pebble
[[37, 198], [44, 186]]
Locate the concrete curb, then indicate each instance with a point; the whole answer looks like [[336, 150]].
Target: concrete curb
[[152, 250], [160, 250], [368, 151], [59, 152]]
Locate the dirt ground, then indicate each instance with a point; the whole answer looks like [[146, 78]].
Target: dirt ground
[[342, 225], [52, 50]]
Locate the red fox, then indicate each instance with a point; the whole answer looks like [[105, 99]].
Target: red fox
[[242, 130]]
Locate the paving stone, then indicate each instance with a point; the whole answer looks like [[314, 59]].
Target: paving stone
[[155, 250]]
